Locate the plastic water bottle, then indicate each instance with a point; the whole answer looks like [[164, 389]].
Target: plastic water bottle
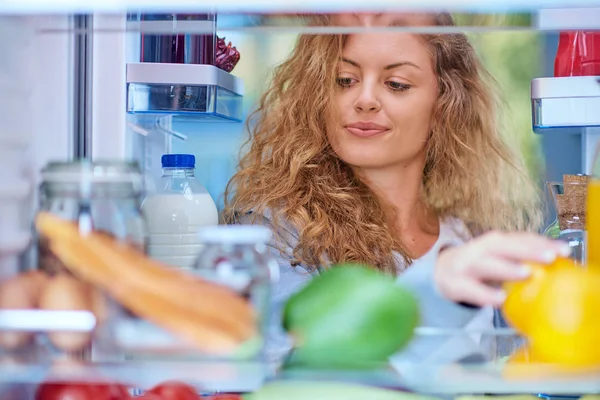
[[175, 213]]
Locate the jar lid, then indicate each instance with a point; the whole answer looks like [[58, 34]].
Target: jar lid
[[178, 161], [107, 171], [235, 234]]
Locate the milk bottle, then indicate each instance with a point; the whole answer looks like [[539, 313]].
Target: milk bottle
[[175, 213]]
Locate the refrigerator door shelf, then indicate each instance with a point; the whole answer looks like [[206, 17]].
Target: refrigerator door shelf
[[566, 104], [185, 91]]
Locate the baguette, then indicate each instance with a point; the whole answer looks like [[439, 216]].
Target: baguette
[[211, 297], [135, 267], [129, 275], [153, 306]]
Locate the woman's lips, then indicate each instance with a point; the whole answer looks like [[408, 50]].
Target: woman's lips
[[366, 129]]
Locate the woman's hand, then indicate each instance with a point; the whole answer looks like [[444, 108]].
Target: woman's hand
[[471, 273]]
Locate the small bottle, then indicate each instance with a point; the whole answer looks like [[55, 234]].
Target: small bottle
[[175, 213]]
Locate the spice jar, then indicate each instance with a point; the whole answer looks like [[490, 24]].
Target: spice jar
[[569, 199]]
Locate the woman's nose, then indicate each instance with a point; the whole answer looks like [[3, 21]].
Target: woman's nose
[[367, 101], [366, 19]]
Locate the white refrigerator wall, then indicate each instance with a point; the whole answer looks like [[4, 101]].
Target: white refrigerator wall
[[34, 120], [217, 145]]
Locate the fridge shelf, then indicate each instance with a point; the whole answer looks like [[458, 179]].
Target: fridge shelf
[[187, 6], [205, 376], [244, 377], [565, 104], [46, 320], [450, 369], [184, 91]]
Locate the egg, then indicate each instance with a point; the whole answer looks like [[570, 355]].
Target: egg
[[66, 293], [17, 293], [99, 306], [35, 281]]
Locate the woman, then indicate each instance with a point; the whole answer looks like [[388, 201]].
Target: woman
[[382, 148]]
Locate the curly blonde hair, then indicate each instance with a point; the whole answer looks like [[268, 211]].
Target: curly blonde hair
[[291, 170]]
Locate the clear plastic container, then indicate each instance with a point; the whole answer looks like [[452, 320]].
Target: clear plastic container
[[48, 312], [194, 102], [235, 257], [175, 213]]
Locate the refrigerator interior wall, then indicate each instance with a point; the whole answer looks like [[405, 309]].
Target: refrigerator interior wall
[[35, 113], [17, 42], [217, 145]]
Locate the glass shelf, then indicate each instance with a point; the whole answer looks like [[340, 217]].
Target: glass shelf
[[268, 21], [479, 367], [187, 6], [451, 379]]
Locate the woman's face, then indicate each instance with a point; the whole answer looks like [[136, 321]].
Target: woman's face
[[384, 101]]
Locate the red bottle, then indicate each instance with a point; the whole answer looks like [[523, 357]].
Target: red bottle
[[578, 54]]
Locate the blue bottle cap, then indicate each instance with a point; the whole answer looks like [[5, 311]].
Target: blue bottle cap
[[178, 161]]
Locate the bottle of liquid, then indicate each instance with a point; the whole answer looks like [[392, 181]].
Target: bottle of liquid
[[593, 214], [578, 54], [175, 213]]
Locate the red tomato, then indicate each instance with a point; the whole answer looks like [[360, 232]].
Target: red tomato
[[81, 391], [114, 391], [173, 390], [149, 396]]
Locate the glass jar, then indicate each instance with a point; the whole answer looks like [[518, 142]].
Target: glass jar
[[98, 196], [103, 196], [237, 256], [569, 199]]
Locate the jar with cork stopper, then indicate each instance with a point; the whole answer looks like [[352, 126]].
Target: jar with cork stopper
[[569, 198]]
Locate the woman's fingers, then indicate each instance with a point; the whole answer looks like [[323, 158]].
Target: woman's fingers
[[498, 270], [466, 273], [474, 292], [523, 247]]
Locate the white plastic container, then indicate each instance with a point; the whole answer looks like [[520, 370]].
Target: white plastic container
[[174, 214]]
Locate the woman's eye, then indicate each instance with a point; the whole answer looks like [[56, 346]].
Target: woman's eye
[[397, 86], [345, 82]]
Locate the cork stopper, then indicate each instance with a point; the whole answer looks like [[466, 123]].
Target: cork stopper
[[571, 206]]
